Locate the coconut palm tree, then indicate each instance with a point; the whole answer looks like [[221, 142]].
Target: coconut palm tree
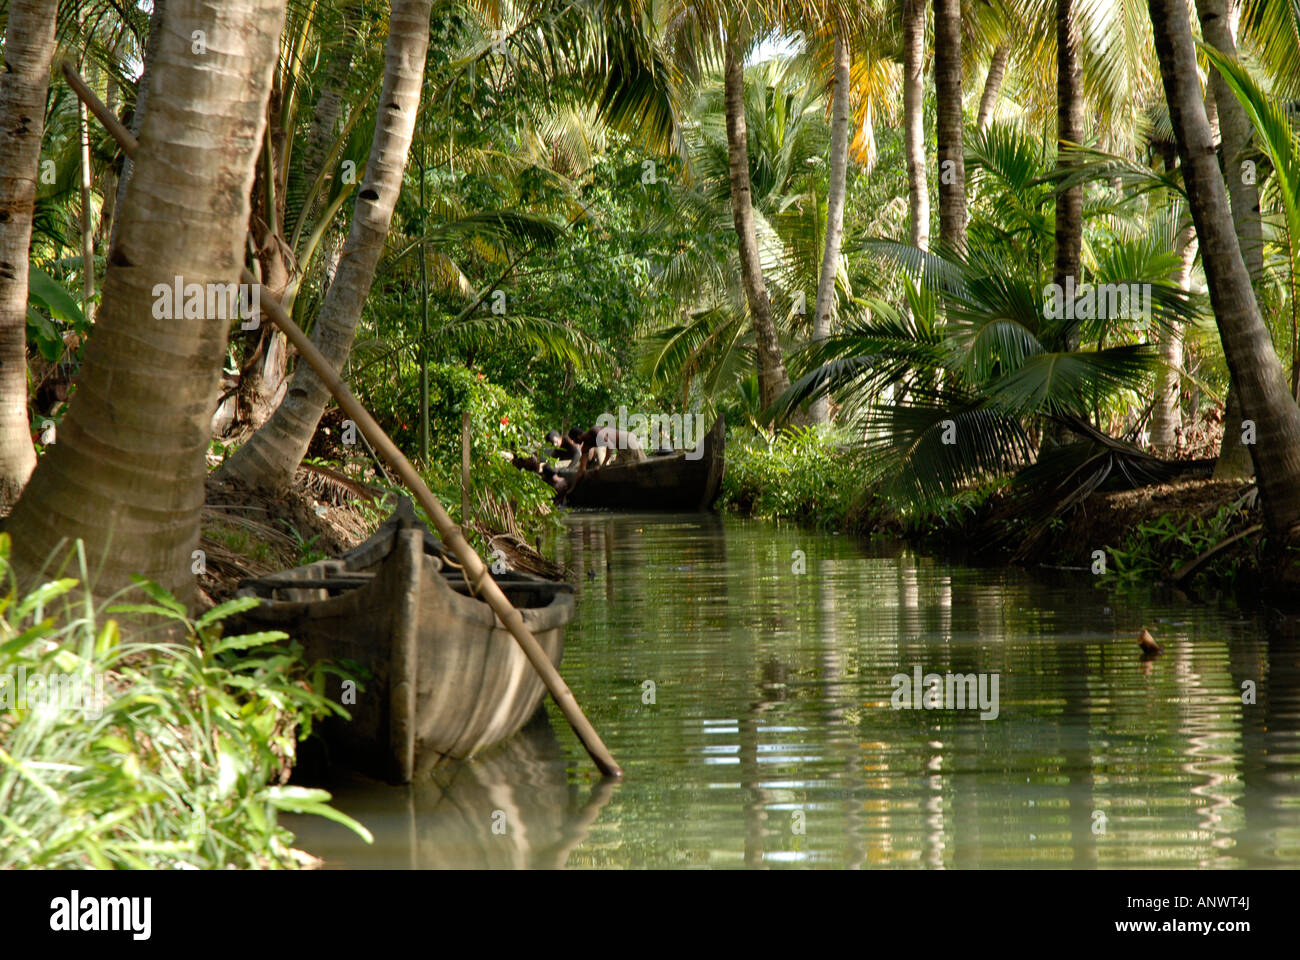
[[544, 40], [772, 377], [1069, 133], [1218, 20], [127, 473], [29, 48], [949, 124], [1265, 400], [824, 311], [993, 84], [918, 188], [787, 140], [978, 387], [271, 455]]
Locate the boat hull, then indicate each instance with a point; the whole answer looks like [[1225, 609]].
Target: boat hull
[[440, 675], [670, 482]]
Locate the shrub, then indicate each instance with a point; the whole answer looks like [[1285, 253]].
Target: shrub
[[801, 475], [178, 753]]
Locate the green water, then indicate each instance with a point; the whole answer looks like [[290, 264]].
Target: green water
[[771, 739]]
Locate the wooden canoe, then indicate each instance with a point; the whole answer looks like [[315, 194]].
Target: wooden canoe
[[441, 676], [667, 482]]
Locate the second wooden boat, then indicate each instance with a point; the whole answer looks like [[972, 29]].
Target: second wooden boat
[[441, 676], [669, 482]]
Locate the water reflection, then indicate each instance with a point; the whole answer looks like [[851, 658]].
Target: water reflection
[[750, 706], [513, 807]]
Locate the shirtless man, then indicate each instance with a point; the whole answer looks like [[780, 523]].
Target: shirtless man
[[601, 444]]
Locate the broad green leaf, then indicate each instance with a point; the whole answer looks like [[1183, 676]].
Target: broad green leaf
[[160, 595], [53, 296], [307, 800]]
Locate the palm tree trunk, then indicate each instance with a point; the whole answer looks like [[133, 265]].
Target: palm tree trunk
[[127, 474], [947, 89], [1166, 413], [992, 85], [329, 107], [772, 378], [87, 221], [1218, 27], [141, 104], [264, 368], [29, 48], [819, 411], [270, 457], [918, 191], [1069, 130], [1256, 372]]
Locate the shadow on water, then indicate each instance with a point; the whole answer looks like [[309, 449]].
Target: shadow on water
[[744, 675]]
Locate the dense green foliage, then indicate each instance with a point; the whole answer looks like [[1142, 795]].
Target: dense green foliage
[[802, 475], [1160, 548], [500, 424], [182, 761]]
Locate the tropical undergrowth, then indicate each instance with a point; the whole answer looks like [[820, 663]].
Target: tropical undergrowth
[[1166, 546], [501, 423], [164, 747], [818, 478]]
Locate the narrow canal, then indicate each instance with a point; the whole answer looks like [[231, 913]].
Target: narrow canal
[[746, 675]]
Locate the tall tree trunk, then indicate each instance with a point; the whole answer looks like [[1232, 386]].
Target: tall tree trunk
[[1069, 130], [1166, 413], [992, 85], [947, 90], [772, 378], [329, 107], [819, 412], [29, 48], [87, 221], [263, 373], [141, 103], [272, 454], [128, 471], [918, 191], [1261, 385], [1219, 29]]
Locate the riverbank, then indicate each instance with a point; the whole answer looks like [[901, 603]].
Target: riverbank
[[1150, 534]]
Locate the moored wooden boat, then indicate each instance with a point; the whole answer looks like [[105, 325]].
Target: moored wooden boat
[[442, 676], [669, 482]]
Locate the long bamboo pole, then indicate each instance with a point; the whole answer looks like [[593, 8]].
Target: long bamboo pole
[[476, 572]]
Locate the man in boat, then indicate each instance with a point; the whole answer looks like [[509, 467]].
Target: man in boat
[[602, 445], [599, 445], [564, 447]]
